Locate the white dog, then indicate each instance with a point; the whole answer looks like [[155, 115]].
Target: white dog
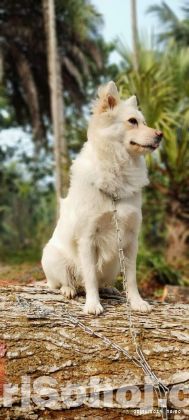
[[84, 249]]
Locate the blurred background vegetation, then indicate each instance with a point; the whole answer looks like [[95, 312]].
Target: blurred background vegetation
[[156, 71]]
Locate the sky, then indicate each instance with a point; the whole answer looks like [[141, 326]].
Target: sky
[[117, 18]]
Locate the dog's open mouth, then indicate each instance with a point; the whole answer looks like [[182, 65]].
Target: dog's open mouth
[[148, 146]]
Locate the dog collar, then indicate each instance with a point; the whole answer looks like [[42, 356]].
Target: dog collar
[[114, 197]]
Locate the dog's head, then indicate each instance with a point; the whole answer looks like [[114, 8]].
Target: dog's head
[[125, 122]]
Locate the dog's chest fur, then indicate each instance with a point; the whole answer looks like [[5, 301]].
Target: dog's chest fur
[[105, 237]]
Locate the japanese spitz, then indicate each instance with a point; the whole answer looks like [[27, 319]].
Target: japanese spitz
[[84, 248]]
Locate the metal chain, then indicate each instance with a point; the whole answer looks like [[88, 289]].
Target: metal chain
[[160, 389]]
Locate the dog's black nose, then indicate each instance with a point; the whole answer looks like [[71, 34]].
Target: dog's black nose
[[159, 135]]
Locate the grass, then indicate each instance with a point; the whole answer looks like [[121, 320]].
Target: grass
[[19, 256]]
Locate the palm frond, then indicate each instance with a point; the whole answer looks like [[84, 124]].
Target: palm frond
[[79, 55], [164, 13], [94, 51], [72, 69], [173, 27], [29, 89], [78, 25], [160, 86]]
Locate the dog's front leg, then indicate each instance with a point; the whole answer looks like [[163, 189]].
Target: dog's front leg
[[88, 261], [137, 303]]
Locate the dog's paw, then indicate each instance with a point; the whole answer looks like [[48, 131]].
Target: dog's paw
[[68, 291], [140, 305], [93, 308]]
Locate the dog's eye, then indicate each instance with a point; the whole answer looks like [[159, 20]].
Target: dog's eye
[[133, 121]]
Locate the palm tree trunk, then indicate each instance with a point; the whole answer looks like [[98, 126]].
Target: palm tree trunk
[[134, 34], [57, 104]]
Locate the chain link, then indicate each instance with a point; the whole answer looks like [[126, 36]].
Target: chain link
[[160, 389]]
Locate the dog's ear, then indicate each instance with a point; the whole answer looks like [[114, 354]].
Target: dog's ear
[[132, 101], [108, 98]]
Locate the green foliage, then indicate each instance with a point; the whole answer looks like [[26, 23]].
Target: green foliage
[[83, 57], [173, 28], [16, 256], [7, 114], [27, 197], [80, 15], [27, 211], [161, 86], [162, 89], [153, 266]]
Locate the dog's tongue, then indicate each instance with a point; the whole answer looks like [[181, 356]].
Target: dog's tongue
[[155, 146]]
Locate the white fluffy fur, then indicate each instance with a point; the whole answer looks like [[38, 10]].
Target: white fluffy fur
[[83, 249]]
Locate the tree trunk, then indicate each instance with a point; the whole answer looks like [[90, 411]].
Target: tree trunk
[[177, 223], [178, 231], [177, 234], [39, 343], [57, 102], [134, 35]]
